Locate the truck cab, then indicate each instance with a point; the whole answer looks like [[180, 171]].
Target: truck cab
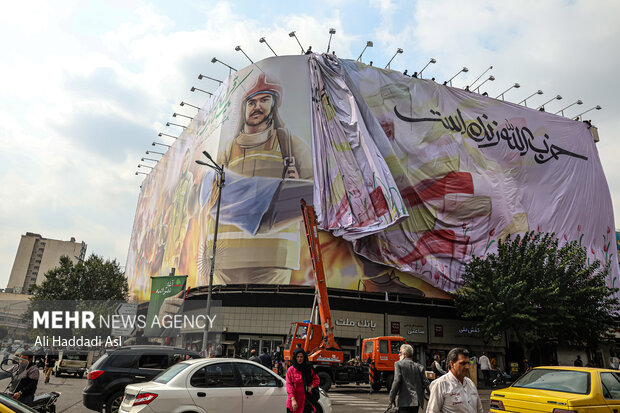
[[381, 353]]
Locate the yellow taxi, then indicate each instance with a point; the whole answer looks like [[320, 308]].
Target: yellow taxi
[[561, 389]]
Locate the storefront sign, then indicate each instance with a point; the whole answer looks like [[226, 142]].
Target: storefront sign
[[361, 323], [468, 330], [395, 327], [414, 329]]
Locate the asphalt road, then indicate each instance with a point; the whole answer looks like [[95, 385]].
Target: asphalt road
[[70, 400], [345, 399], [352, 399]]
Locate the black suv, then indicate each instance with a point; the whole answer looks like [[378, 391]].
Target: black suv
[[116, 369]]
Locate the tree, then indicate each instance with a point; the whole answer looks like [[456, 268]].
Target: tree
[[541, 291], [96, 285], [93, 279]]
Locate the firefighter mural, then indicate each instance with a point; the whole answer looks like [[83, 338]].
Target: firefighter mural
[[409, 178]]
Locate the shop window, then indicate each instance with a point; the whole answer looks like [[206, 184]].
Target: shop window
[[383, 347]]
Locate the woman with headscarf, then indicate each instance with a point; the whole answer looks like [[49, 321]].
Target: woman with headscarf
[[300, 378]]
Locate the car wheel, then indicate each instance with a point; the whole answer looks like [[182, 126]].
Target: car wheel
[[389, 379], [81, 374], [326, 380], [113, 404]]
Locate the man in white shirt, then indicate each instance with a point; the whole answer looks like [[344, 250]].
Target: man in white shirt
[[454, 392], [485, 366]]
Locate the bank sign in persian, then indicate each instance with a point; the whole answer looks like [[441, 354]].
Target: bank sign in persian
[[409, 178]]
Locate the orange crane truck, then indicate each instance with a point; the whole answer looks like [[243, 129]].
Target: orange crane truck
[[378, 354]]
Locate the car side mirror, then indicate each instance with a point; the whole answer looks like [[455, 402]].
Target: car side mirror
[[279, 383]]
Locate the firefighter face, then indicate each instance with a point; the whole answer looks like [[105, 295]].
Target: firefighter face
[[258, 108]]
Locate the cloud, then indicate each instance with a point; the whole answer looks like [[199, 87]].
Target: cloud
[[86, 87]]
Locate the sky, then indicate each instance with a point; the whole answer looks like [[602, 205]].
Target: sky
[[85, 86]]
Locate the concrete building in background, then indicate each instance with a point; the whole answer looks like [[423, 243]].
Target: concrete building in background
[[36, 256]]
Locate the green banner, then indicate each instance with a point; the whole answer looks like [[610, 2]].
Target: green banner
[[169, 290]]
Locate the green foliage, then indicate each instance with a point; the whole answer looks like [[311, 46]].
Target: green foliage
[[95, 285], [542, 291], [93, 279]]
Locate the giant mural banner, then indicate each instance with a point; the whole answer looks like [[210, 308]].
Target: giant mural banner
[[410, 179]]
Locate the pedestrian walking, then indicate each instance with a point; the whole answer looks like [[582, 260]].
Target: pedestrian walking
[[578, 362], [265, 359], [436, 367], [254, 357], [455, 392], [50, 361], [485, 366], [300, 383], [409, 382]]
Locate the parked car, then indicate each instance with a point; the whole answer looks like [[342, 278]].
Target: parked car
[[72, 362], [116, 369], [213, 385], [560, 389]]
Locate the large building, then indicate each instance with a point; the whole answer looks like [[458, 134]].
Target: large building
[[410, 179], [37, 255]]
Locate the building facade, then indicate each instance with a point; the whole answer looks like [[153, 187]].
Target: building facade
[[258, 317], [37, 255]]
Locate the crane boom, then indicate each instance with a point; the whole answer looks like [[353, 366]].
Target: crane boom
[[312, 233]]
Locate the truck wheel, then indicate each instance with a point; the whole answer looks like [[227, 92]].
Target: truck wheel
[[326, 380], [389, 379]]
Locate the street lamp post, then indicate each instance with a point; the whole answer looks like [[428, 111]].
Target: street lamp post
[[463, 70], [239, 49], [219, 170], [292, 34], [200, 76], [399, 50], [174, 115], [230, 68], [263, 40], [478, 78], [558, 97], [491, 78], [331, 33], [368, 44], [429, 62], [516, 86], [524, 101], [189, 104], [578, 102], [193, 89], [597, 107]]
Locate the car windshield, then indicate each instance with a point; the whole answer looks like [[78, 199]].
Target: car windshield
[[567, 381], [165, 376]]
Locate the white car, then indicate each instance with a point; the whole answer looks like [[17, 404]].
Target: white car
[[212, 386]]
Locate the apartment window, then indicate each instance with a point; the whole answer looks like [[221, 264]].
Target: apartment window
[[42, 244], [36, 267], [38, 261]]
